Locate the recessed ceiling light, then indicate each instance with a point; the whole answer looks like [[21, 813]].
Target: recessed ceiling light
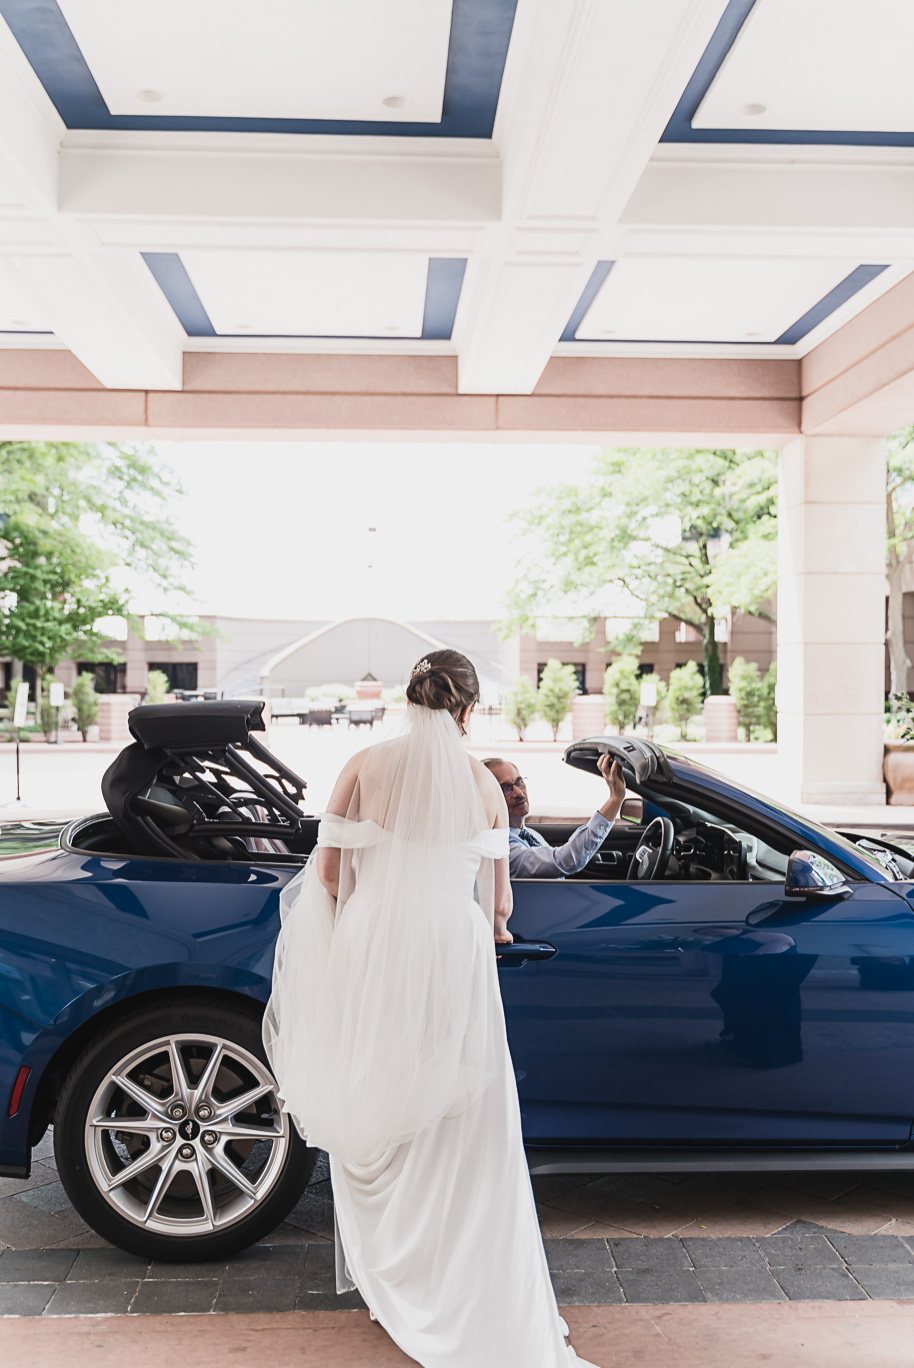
[[395, 101], [753, 109], [608, 332], [752, 334], [391, 328], [18, 323], [150, 96], [243, 327]]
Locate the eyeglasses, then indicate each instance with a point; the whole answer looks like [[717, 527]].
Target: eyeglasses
[[515, 783]]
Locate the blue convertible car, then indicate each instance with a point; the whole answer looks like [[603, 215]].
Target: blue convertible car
[[725, 985]]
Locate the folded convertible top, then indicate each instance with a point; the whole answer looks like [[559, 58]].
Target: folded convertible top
[[210, 722]]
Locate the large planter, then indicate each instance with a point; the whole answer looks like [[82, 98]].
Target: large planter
[[898, 768], [721, 718], [588, 716]]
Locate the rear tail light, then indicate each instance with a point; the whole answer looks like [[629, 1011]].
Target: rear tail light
[[18, 1089]]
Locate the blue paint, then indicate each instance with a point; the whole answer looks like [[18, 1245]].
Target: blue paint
[[591, 290], [679, 128], [842, 292], [174, 282], [480, 33], [442, 295], [706, 1012]]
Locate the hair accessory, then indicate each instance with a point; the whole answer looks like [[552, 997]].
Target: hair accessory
[[422, 668]]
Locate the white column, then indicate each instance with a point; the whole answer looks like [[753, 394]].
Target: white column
[[831, 619]]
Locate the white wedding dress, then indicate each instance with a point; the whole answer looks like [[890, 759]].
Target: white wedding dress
[[386, 1033]]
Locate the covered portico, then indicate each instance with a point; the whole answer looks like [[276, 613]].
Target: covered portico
[[616, 224]]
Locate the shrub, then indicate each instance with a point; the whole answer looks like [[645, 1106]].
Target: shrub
[[622, 691], [85, 703], [748, 692], [520, 705], [558, 686], [685, 695], [157, 687], [769, 706]]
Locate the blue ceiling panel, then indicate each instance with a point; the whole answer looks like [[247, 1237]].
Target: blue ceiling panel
[[480, 32], [842, 292], [442, 295], [679, 128]]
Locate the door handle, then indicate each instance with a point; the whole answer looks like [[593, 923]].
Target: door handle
[[519, 951]]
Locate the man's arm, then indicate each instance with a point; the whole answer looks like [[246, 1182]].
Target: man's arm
[[554, 862]]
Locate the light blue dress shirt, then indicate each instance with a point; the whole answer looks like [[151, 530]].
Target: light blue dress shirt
[[543, 861]]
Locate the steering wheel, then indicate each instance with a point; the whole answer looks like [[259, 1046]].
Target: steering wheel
[[651, 858]]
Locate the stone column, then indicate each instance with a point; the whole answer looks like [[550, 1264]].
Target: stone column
[[831, 619]]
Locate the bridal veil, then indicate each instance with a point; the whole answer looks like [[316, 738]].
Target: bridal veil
[[378, 1025]]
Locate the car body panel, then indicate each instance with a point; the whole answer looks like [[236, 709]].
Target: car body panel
[[721, 1012], [616, 1037]]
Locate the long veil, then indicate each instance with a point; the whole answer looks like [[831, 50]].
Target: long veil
[[379, 1023]]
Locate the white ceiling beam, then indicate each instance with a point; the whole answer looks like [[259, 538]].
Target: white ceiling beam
[[587, 91], [777, 189], [288, 180], [100, 303]]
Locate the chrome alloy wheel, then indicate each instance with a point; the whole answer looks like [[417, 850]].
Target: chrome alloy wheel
[[185, 1135]]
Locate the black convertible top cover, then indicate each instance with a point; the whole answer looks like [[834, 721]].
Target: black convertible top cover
[[188, 726]]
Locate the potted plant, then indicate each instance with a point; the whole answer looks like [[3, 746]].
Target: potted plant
[[898, 762]]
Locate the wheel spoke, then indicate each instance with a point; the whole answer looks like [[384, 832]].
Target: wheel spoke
[[133, 1125], [240, 1104], [221, 1161], [162, 1184], [201, 1176], [143, 1162], [152, 1104], [208, 1076], [229, 1132], [178, 1076]]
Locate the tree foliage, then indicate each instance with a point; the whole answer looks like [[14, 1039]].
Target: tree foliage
[[684, 695], [520, 705], [74, 517], [688, 534], [622, 691], [557, 688]]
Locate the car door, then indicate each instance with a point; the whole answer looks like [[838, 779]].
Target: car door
[[711, 1013]]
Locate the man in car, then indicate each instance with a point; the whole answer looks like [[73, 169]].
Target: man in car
[[529, 855]]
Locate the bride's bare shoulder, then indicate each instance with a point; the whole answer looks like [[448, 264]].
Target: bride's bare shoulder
[[491, 793]]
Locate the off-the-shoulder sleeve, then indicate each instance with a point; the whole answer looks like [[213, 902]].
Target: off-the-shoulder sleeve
[[343, 833], [491, 844]]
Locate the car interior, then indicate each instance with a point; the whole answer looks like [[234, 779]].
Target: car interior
[[197, 784]]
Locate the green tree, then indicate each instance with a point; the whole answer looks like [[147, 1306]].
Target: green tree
[[622, 691], [899, 517], [748, 692], [520, 705], [157, 687], [85, 702], [73, 516], [558, 686], [684, 695], [688, 534], [769, 706]]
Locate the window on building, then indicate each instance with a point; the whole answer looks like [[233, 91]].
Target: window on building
[[578, 669], [645, 667], [182, 674], [110, 675]]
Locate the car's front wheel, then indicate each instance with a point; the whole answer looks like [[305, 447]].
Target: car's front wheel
[[169, 1137]]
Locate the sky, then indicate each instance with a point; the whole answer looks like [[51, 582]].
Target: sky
[[281, 529]]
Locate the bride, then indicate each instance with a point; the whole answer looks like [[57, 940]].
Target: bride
[[386, 1033]]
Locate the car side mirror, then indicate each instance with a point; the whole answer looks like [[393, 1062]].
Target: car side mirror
[[810, 875], [632, 809]]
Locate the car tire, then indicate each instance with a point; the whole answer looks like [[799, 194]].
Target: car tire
[[180, 1188]]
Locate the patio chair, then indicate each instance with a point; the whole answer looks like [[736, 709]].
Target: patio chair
[[361, 717]]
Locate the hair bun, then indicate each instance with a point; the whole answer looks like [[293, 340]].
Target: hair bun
[[444, 681]]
